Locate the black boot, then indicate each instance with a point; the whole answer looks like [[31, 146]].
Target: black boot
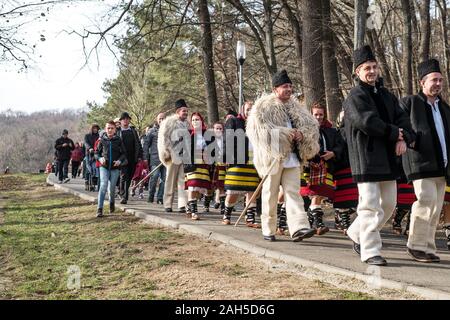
[[251, 218], [207, 203], [345, 222], [282, 219], [99, 212], [193, 209], [226, 214], [86, 185], [408, 222], [318, 224], [112, 207], [337, 220], [397, 220], [447, 234], [310, 217]]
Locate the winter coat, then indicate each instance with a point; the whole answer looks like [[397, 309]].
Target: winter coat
[[166, 146], [63, 153], [232, 128], [268, 120], [77, 154], [132, 144], [333, 142], [112, 150], [151, 146], [89, 141], [426, 160], [372, 120]]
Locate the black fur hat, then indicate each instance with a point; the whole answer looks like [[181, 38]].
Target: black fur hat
[[180, 103], [362, 55], [280, 78], [427, 67]]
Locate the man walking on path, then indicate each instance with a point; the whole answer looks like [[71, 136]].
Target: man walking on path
[[377, 132], [151, 154], [281, 130], [167, 154], [134, 152], [64, 147], [427, 163]]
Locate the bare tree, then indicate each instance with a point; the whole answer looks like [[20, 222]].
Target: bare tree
[[425, 28], [360, 23], [407, 47], [208, 61]]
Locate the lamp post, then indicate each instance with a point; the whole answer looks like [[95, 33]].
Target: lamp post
[[240, 55]]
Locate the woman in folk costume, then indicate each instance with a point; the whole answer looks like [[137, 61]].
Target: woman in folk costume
[[241, 177], [346, 190], [284, 135], [197, 172], [219, 168], [320, 183]]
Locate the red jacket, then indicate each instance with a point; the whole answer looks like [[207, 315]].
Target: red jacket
[[77, 155]]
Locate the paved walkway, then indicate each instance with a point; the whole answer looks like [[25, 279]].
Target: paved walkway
[[330, 253]]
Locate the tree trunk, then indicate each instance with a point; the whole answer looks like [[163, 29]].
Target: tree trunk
[[270, 48], [360, 23], [407, 47], [208, 61], [334, 96], [313, 81], [297, 35], [425, 27], [443, 10]]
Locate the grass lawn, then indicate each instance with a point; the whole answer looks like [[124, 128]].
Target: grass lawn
[[53, 247]]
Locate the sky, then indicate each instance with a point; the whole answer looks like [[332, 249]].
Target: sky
[[55, 79]]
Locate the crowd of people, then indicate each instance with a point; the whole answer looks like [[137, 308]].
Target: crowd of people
[[383, 157]]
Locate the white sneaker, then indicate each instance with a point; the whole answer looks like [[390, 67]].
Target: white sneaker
[[66, 180]]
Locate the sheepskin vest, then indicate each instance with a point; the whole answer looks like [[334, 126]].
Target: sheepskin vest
[[268, 132], [165, 144]]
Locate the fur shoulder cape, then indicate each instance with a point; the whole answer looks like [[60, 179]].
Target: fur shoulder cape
[[268, 132], [165, 143]]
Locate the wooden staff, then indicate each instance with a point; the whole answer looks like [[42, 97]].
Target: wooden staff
[[256, 193], [147, 176]]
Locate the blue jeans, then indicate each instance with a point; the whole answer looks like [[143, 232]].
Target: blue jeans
[[106, 176], [158, 174]]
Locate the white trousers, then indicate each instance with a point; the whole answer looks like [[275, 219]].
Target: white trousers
[[425, 213], [377, 201], [174, 179], [289, 179]]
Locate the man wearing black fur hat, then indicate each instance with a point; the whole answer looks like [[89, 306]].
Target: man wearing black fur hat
[[174, 125], [377, 131], [133, 147], [281, 130], [427, 163]]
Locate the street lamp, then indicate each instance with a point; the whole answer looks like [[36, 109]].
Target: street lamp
[[240, 55]]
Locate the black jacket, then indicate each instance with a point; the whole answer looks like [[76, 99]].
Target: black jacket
[[63, 153], [426, 160], [232, 156], [333, 142], [89, 141], [372, 120], [132, 144], [151, 146], [112, 150]]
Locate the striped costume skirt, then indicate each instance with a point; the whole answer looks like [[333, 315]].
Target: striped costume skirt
[[325, 189], [218, 176], [199, 178], [241, 178], [346, 191], [447, 194], [405, 195]]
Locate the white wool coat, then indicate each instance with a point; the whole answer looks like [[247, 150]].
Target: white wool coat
[[165, 144], [268, 132]]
